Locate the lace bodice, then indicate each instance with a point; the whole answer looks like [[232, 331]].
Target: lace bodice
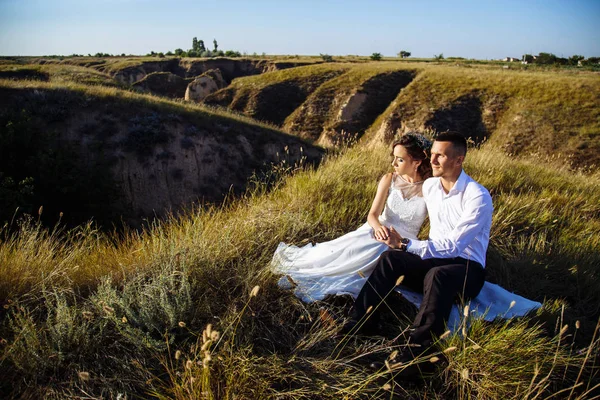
[[405, 207]]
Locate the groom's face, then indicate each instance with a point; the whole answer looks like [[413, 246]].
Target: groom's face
[[445, 160]]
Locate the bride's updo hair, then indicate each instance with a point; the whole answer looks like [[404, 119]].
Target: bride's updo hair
[[419, 148]]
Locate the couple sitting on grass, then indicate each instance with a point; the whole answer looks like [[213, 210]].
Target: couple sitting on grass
[[428, 179]]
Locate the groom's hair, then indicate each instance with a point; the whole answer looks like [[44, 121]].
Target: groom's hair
[[459, 143]]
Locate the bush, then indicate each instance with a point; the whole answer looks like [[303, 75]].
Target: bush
[[232, 53], [376, 56], [326, 57]]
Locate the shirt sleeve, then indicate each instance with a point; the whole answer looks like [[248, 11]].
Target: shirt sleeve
[[476, 216]]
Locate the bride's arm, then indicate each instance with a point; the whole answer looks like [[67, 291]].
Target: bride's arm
[[381, 232]]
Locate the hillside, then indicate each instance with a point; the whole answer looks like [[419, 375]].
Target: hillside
[[186, 305], [128, 315], [519, 111], [103, 153]]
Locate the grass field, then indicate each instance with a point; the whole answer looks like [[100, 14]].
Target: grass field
[[98, 314], [188, 307]]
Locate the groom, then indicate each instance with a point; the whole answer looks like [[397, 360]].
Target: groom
[[447, 265]]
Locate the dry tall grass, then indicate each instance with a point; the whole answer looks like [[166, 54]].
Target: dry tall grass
[[92, 314]]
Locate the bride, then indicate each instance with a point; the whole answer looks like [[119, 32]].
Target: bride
[[341, 266]]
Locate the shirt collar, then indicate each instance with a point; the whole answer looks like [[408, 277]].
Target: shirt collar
[[459, 185]]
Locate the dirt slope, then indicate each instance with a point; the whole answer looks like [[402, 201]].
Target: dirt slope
[[142, 156]]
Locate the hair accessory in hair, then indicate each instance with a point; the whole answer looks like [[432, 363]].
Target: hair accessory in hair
[[423, 142]]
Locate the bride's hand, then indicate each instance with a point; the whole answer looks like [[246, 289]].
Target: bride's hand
[[382, 233]]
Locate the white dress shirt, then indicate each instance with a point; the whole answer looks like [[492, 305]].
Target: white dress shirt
[[459, 220]]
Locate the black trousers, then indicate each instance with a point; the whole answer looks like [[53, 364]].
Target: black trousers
[[441, 280]]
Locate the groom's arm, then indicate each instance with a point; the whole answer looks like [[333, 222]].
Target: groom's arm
[[476, 216]]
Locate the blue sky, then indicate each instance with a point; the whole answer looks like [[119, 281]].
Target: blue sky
[[473, 29]]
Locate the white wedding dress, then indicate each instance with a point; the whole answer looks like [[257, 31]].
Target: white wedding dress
[[335, 267]]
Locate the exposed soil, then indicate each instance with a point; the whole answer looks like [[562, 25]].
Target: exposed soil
[[271, 103], [330, 111], [158, 158], [163, 84]]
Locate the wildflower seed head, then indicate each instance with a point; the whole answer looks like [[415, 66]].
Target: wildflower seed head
[[393, 355], [464, 374], [108, 310], [399, 280], [387, 386], [450, 349], [512, 304], [84, 376], [466, 311], [208, 330], [434, 359], [369, 309], [445, 334], [563, 329], [124, 320], [254, 291], [87, 314], [3, 341], [40, 210], [577, 324], [181, 324], [206, 345], [215, 335], [178, 354], [360, 273], [189, 364]]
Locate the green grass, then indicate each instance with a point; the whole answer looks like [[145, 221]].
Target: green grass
[[518, 111], [112, 314]]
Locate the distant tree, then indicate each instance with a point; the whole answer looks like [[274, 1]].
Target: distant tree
[[439, 57], [206, 53], [201, 47], [193, 53], [215, 45], [574, 59], [218, 53], [326, 57], [546, 58], [122, 54], [404, 54], [195, 44], [161, 55], [169, 53], [528, 58], [591, 61], [178, 52], [231, 53], [376, 56]]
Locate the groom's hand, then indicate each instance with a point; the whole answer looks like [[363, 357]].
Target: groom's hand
[[393, 240]]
